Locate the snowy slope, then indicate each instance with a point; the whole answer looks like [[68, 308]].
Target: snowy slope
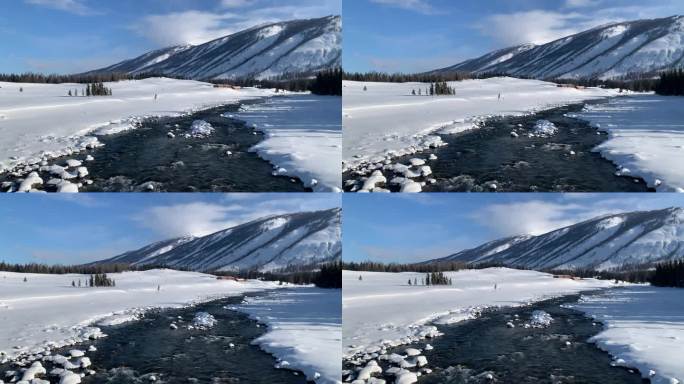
[[607, 51], [381, 309], [606, 242], [304, 329], [141, 63], [384, 121], [297, 239], [298, 46], [643, 329], [47, 309], [483, 63]]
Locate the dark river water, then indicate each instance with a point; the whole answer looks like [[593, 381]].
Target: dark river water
[[137, 351], [471, 350], [136, 159], [475, 160]]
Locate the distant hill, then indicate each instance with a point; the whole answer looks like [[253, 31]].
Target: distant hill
[[298, 239], [604, 243], [605, 52], [298, 46]]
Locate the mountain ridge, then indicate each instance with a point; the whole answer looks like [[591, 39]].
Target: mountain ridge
[[303, 46], [615, 241], [265, 244], [609, 51]]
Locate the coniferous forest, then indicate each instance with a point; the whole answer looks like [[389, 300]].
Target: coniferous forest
[[669, 274], [671, 83]]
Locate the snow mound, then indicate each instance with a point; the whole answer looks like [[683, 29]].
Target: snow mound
[[545, 128], [203, 320], [201, 128], [540, 319]]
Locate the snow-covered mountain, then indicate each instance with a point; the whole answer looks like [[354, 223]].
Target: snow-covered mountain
[[607, 51], [290, 240], [607, 242], [298, 46]]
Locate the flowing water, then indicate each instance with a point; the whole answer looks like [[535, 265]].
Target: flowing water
[[147, 159], [149, 350], [489, 158], [487, 349]]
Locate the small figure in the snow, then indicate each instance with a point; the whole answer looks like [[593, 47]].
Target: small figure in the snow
[[499, 96], [495, 286], [158, 288], [155, 97]]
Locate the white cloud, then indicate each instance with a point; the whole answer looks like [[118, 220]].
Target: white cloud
[[72, 6], [197, 27], [236, 3], [581, 3], [532, 217], [203, 218], [197, 219], [189, 27], [421, 6], [535, 26]]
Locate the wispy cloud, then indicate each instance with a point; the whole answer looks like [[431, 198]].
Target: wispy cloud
[[542, 26], [197, 27], [420, 6], [203, 218], [539, 216], [236, 3], [72, 6]]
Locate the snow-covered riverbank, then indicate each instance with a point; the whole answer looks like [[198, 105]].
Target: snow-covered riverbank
[[46, 311], [303, 137], [385, 121], [644, 329], [304, 330], [381, 309], [42, 122], [646, 137]]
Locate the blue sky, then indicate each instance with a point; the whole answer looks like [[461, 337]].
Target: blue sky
[[68, 36], [420, 35], [72, 229], [410, 228]]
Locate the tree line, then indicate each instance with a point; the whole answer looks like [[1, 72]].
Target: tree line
[[66, 269], [328, 275], [441, 266], [87, 78], [671, 83], [669, 274], [381, 77], [326, 82]]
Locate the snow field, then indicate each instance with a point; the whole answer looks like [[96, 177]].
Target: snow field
[[42, 123], [76, 313], [643, 329], [303, 138], [646, 137], [385, 121], [381, 310], [304, 330]]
